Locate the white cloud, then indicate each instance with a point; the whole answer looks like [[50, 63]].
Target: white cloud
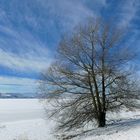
[[68, 12], [21, 51], [129, 11], [23, 63], [8, 80], [17, 85]]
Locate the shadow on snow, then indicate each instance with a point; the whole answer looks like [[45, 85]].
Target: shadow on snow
[[112, 127]]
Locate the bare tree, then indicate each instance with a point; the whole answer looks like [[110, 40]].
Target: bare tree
[[94, 69]]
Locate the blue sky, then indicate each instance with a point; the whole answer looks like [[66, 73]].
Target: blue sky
[[31, 29]]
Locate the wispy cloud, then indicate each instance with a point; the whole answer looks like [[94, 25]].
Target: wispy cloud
[[128, 11], [6, 80], [67, 13], [21, 51], [22, 47], [23, 63], [31, 29], [17, 84]]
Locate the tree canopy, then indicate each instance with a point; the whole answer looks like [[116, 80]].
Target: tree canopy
[[93, 68]]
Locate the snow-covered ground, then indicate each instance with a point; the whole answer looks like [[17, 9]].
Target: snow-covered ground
[[123, 126], [25, 119]]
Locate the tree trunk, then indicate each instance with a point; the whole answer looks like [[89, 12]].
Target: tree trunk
[[102, 119]]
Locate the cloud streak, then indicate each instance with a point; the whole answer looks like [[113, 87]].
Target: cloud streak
[[129, 11], [22, 47], [17, 85], [22, 51], [31, 29], [68, 13], [21, 63]]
